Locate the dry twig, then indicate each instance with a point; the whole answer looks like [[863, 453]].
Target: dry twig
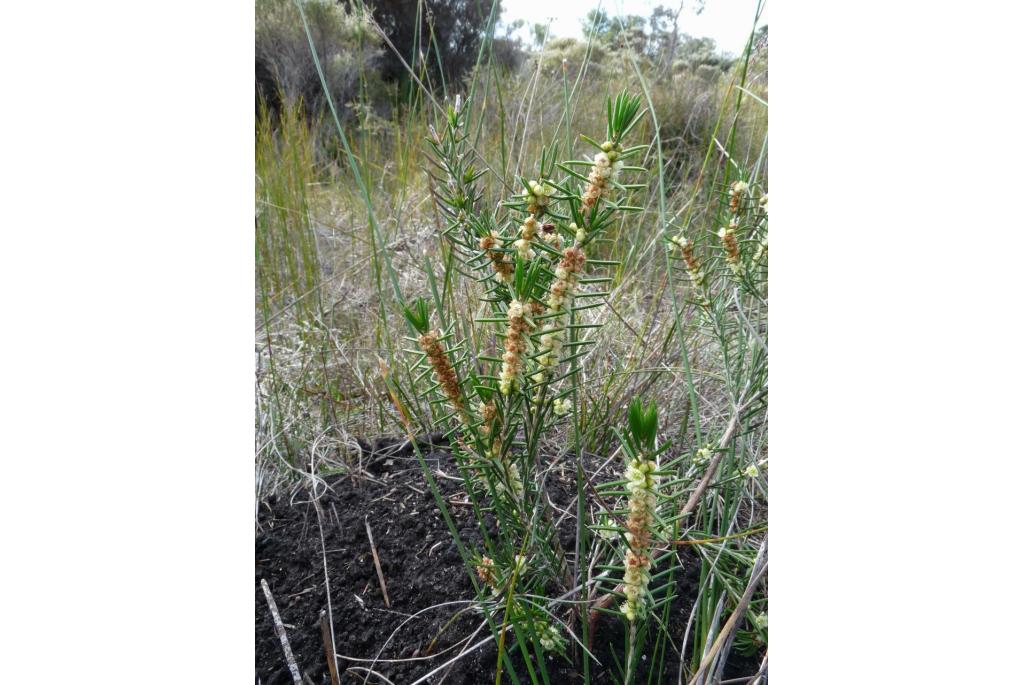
[[376, 563], [733, 622], [283, 636], [325, 634]]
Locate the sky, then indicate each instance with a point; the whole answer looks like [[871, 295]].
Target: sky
[[726, 21]]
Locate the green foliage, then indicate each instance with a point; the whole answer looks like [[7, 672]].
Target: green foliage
[[417, 313], [623, 114], [643, 423]]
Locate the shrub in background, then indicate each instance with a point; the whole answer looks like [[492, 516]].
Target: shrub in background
[[348, 48]]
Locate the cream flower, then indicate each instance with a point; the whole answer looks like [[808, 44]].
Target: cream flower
[[641, 483], [523, 248], [515, 346], [550, 638], [540, 192], [559, 301], [731, 247]]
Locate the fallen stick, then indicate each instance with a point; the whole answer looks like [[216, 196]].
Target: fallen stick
[[283, 636], [376, 563], [760, 567], [731, 625], [332, 660]]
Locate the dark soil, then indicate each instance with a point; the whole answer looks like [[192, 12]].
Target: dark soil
[[421, 568]]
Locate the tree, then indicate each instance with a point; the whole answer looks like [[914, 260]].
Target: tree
[[540, 33], [615, 30], [421, 30]]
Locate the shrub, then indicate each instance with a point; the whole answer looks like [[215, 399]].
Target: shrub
[[531, 256], [510, 355], [568, 52], [347, 46]]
